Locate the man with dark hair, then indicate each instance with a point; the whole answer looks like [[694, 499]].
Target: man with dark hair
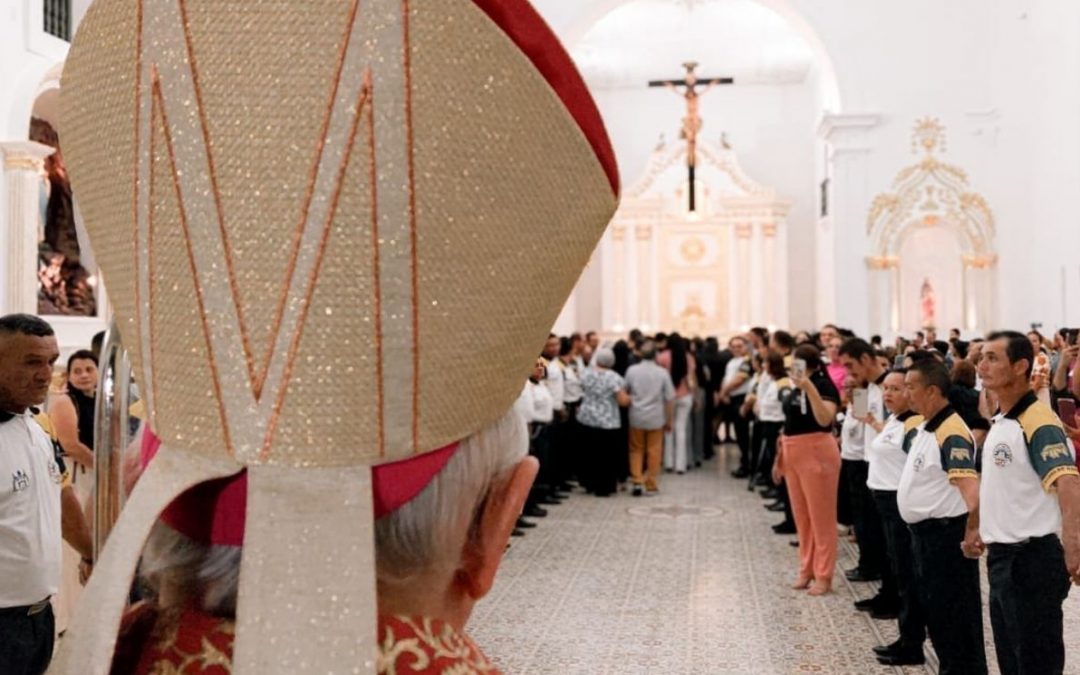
[[34, 510], [1028, 459], [859, 359], [733, 391], [938, 498], [783, 342]]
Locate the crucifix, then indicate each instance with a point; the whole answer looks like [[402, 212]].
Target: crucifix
[[691, 124]]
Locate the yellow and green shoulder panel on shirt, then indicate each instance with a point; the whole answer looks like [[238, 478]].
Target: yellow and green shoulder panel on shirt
[[1047, 444], [957, 448]]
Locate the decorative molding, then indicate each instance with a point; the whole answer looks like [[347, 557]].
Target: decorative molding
[[618, 232], [744, 230], [982, 262], [769, 230], [25, 155], [930, 193], [879, 262], [643, 232], [834, 126]]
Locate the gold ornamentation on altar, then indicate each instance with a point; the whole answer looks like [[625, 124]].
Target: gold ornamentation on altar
[[980, 262], [744, 230], [880, 262], [618, 232], [643, 232], [692, 249], [769, 230], [930, 193]]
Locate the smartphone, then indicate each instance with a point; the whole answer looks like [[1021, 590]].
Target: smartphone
[[798, 368], [1067, 410], [1071, 335], [860, 403], [898, 362]]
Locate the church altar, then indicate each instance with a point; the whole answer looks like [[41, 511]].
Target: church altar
[[661, 267]]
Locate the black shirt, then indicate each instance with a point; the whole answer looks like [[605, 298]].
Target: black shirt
[[796, 422]]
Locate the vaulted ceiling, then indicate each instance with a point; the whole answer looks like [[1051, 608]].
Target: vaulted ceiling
[[650, 39]]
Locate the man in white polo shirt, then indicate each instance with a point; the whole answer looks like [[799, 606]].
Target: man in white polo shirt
[[887, 454], [938, 498], [31, 515], [1029, 483]]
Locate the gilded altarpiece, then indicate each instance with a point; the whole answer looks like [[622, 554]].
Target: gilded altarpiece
[[710, 272]]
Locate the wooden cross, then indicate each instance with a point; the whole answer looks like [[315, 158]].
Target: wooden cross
[[691, 124]]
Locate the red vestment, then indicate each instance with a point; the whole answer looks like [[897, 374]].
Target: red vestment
[[191, 642]]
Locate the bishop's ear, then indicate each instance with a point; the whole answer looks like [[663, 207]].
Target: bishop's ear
[[500, 512]]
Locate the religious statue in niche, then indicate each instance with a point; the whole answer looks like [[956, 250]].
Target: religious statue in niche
[[928, 302], [64, 284]]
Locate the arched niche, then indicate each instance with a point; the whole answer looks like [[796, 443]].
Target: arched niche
[[933, 233]]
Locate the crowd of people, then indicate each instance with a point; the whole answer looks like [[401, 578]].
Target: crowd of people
[[928, 453]]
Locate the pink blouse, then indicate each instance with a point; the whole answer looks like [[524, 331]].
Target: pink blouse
[[664, 359]]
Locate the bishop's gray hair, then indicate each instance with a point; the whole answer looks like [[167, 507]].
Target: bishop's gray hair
[[427, 535], [176, 570]]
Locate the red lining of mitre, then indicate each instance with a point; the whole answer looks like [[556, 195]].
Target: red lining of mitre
[[522, 24], [214, 512]]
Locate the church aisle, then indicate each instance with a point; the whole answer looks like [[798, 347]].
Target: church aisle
[[689, 581]]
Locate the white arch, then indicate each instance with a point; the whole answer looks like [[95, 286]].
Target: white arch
[[35, 80], [830, 83]]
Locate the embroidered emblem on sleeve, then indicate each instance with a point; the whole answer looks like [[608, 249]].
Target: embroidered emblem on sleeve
[[1055, 451]]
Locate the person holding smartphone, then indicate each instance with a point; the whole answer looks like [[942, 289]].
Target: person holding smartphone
[[809, 460]]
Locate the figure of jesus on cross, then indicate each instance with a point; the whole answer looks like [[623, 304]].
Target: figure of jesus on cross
[[691, 123]]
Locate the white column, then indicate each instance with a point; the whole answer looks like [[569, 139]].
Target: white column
[[616, 286], [645, 281], [23, 163], [771, 298], [850, 144], [757, 280], [894, 296], [743, 232]]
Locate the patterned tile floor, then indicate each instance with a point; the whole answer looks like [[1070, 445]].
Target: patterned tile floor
[[690, 581]]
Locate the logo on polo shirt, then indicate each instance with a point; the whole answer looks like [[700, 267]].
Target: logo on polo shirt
[[920, 461], [960, 455], [1002, 456], [1053, 452], [20, 481], [55, 474]]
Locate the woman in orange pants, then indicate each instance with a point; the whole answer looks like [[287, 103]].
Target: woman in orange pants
[[809, 460]]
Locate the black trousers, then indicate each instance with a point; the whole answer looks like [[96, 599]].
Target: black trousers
[[742, 432], [949, 590], [1028, 584], [600, 468], [26, 642], [902, 565], [867, 522]]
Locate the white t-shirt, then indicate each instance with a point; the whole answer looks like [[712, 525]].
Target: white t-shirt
[[875, 400], [30, 544], [1026, 450], [736, 365], [534, 403], [769, 406], [852, 438], [886, 454], [572, 391], [941, 451], [555, 383]]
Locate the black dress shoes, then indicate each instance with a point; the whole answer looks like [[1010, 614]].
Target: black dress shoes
[[549, 501], [741, 472], [866, 606], [885, 612], [770, 493], [784, 528], [517, 533], [857, 575], [904, 658], [525, 524], [889, 649], [775, 507], [534, 511]]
